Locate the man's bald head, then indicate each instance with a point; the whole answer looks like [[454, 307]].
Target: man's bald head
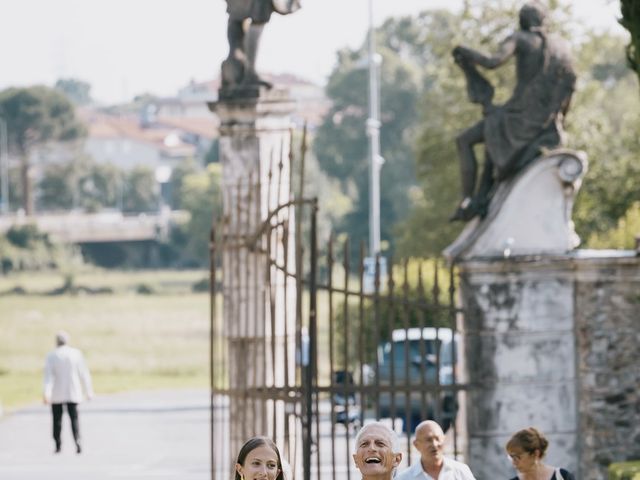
[[429, 425], [429, 442]]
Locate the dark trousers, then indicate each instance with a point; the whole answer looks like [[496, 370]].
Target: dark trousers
[[72, 410]]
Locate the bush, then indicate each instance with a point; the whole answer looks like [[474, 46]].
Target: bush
[[25, 248], [145, 289], [201, 285], [625, 470], [26, 236]]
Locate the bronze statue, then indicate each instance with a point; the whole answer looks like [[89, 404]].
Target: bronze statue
[[246, 23], [529, 122]]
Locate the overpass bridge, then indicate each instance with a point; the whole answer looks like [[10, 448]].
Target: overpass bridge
[[103, 227]]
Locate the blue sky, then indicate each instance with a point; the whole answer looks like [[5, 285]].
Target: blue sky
[[126, 47]]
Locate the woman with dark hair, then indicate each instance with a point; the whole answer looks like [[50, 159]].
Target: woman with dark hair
[[525, 449], [259, 458]]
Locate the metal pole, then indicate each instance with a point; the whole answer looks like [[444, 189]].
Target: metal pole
[[212, 338], [4, 166], [312, 380], [373, 131]]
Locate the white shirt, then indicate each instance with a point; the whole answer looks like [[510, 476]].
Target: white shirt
[[451, 470], [66, 375]]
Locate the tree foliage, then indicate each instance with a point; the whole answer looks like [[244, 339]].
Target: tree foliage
[[341, 144], [24, 247], [604, 122], [199, 194], [630, 10], [90, 186], [445, 111], [35, 116], [426, 106], [140, 190], [78, 91]]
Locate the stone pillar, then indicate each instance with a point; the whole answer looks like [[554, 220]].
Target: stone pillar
[[520, 350], [254, 150], [552, 342], [551, 333]]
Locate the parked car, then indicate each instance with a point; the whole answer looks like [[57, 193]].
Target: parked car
[[345, 407], [430, 355]]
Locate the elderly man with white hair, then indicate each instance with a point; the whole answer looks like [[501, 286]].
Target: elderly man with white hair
[[377, 452], [66, 381]]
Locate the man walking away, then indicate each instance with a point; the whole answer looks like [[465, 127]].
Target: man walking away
[[66, 382]]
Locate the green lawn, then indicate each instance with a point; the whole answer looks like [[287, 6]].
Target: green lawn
[[131, 341]]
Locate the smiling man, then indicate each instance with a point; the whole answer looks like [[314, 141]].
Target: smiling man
[[377, 454], [433, 465]]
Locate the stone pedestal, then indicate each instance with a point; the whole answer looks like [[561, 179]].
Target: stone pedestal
[[520, 350], [529, 214], [547, 329], [259, 302], [551, 342]]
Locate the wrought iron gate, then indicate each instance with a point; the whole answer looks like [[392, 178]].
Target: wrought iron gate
[[308, 343]]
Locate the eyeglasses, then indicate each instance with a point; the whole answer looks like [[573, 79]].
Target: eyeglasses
[[517, 457]]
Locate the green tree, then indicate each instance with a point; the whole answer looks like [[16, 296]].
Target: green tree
[[445, 112], [341, 144], [604, 122], [57, 187], [178, 176], [630, 20], [140, 191], [80, 183], [78, 91], [199, 194], [35, 116], [212, 155], [98, 186]]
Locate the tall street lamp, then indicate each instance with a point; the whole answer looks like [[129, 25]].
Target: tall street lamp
[[373, 132], [374, 264], [4, 166]]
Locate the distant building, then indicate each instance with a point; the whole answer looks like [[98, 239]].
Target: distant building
[[191, 100], [167, 130], [127, 141]]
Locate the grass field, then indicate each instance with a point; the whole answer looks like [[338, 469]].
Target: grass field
[[131, 341]]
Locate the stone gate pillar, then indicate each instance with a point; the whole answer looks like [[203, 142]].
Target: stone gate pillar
[[550, 331], [516, 288], [521, 351], [254, 146]]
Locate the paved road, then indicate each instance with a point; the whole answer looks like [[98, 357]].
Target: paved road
[[145, 435]]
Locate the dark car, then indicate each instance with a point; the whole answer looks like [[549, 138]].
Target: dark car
[[430, 355], [345, 406]]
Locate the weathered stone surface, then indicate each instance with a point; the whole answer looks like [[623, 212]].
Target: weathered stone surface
[[552, 342], [258, 313], [608, 362], [529, 214]]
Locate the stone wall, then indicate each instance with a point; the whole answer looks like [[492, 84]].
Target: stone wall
[[608, 359], [519, 340], [552, 342], [259, 299]]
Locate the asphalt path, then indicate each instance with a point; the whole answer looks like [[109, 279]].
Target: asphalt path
[[139, 435]]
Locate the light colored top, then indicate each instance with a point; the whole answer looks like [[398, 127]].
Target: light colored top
[[451, 470], [66, 376]]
